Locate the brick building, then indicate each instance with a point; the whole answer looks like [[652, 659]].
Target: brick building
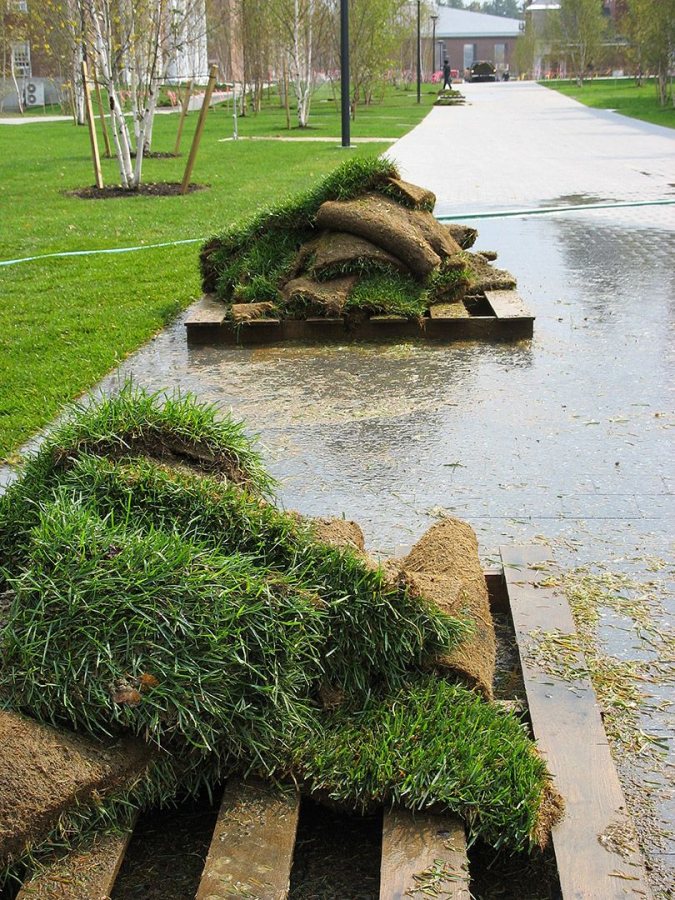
[[463, 37]]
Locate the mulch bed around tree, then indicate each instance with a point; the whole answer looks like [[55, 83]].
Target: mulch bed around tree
[[151, 189]]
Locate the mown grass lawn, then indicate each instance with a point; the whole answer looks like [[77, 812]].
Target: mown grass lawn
[[620, 94], [64, 323]]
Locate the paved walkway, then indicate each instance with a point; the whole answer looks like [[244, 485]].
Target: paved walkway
[[30, 120], [518, 144]]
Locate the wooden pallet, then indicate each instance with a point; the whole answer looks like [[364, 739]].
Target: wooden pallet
[[251, 852], [501, 315]]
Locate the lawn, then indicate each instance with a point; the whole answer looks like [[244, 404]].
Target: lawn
[[620, 94], [64, 323]]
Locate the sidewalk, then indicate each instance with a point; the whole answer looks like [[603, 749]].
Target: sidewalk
[[517, 144]]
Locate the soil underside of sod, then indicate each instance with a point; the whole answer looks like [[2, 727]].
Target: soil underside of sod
[[151, 189]]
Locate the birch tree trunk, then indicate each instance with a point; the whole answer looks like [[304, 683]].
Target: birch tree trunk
[[103, 44]]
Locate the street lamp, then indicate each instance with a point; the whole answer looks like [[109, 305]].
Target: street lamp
[[434, 19], [344, 69], [419, 56]]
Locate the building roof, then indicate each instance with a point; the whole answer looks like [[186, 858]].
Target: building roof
[[461, 23]]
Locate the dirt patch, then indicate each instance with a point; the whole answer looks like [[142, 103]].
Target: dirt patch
[[313, 298], [465, 236], [157, 154], [337, 855], [444, 567], [167, 852], [411, 195], [247, 312], [338, 250], [168, 449], [151, 189], [46, 771], [338, 533], [385, 224]]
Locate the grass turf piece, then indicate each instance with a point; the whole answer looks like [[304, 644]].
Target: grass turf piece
[[374, 631], [188, 609], [114, 629], [434, 744], [389, 294], [267, 243]]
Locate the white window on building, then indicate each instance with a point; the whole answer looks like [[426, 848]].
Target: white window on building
[[21, 59], [500, 56]]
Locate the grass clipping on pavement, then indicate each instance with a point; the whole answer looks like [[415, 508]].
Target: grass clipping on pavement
[[155, 589]]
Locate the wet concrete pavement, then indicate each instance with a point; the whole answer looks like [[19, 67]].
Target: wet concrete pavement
[[566, 438]]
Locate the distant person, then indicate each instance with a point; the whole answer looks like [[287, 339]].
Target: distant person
[[447, 76]]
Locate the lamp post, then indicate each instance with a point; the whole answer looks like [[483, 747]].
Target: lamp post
[[344, 69], [419, 56], [433, 43]]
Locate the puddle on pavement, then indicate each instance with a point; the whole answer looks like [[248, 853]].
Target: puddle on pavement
[[576, 200]]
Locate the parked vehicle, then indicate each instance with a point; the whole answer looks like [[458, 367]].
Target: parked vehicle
[[482, 70]]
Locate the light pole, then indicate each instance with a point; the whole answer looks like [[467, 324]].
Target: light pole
[[344, 69], [433, 43], [419, 56]]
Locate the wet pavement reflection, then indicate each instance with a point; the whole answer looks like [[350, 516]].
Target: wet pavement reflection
[[572, 425]]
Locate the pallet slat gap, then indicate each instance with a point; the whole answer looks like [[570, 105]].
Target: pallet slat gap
[[568, 728], [422, 853], [251, 851]]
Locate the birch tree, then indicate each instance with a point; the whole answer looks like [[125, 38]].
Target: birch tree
[[299, 22], [133, 43], [580, 27], [651, 25]]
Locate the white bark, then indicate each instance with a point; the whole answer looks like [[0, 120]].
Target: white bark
[[19, 98], [300, 57], [134, 44]]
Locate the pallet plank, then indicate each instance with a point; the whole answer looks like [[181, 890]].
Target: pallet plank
[[87, 873], [508, 305], [251, 851], [568, 727], [207, 311], [448, 311], [423, 855]]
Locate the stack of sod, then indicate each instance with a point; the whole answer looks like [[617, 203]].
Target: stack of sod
[[155, 590], [449, 97], [361, 243]]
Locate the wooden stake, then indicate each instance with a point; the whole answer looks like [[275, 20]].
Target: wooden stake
[[99, 99], [203, 112], [92, 128], [181, 119], [287, 105]]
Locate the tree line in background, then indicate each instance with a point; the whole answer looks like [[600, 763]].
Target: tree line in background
[[131, 48], [642, 39]]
